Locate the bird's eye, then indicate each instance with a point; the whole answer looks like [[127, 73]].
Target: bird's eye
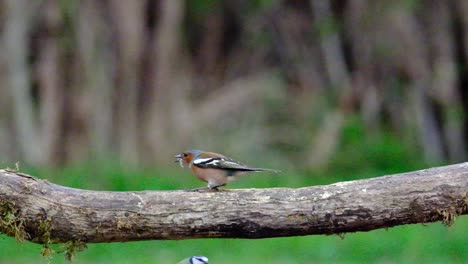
[[185, 154]]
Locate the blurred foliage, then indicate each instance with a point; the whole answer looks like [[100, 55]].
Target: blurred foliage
[[367, 154], [139, 79]]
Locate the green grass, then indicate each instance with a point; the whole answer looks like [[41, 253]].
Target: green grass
[[433, 243]]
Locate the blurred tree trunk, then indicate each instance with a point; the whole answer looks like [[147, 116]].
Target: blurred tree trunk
[[50, 83], [360, 33], [168, 122], [461, 7], [444, 83], [129, 22], [328, 136], [98, 66], [413, 56], [7, 137], [139, 79], [210, 58], [20, 18]]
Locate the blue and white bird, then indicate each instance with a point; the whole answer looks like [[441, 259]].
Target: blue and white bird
[[194, 260]]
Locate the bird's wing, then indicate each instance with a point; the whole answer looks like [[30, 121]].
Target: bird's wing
[[221, 163]]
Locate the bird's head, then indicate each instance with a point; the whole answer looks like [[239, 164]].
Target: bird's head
[[186, 157], [195, 260], [199, 260]]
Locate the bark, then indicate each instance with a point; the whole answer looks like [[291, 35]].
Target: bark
[[47, 213]]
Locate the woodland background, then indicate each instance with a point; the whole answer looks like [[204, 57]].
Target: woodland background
[[102, 95], [143, 80]]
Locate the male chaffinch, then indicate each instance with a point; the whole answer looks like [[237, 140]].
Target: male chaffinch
[[214, 168], [194, 260]]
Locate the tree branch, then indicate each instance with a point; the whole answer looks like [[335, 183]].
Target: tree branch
[[43, 212]]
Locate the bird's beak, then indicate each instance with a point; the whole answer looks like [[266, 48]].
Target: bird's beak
[[179, 159]]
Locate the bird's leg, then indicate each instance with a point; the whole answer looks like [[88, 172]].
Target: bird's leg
[[215, 187], [198, 189], [210, 187]]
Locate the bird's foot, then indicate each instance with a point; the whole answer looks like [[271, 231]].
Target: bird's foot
[[202, 189], [216, 189]]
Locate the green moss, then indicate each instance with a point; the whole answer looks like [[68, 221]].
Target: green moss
[[448, 216], [69, 248], [10, 223], [47, 252], [464, 206], [73, 247], [43, 236], [341, 235]]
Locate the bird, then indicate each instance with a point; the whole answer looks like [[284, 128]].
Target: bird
[[215, 169], [194, 260]]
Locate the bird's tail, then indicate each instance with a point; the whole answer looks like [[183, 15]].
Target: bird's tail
[[265, 170]]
